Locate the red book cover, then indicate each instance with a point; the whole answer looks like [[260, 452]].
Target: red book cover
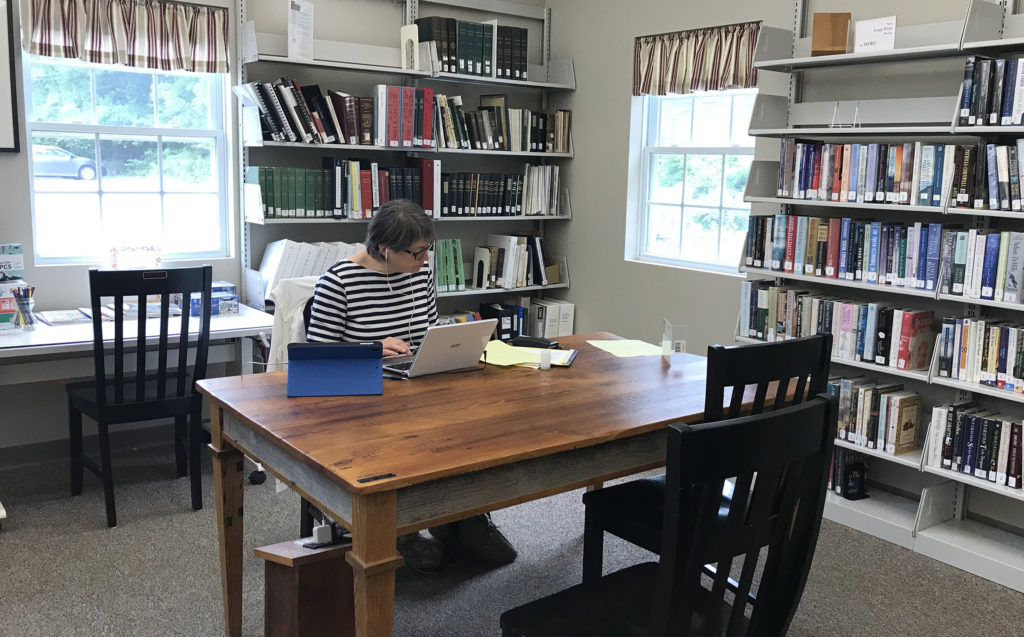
[[366, 192], [428, 173], [787, 263], [816, 180], [408, 114], [394, 105], [837, 173], [383, 186], [428, 117], [835, 227], [915, 340]]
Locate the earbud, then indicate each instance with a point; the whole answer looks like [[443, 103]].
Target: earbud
[[385, 254]]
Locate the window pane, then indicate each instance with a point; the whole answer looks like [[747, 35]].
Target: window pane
[[711, 119], [68, 225], [663, 231], [667, 178], [734, 234], [63, 162], [192, 223], [190, 165], [183, 101], [742, 108], [674, 123], [132, 219], [700, 235], [130, 163], [704, 179], [124, 98], [60, 92], [737, 169]]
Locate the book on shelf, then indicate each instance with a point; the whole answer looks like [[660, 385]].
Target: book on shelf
[[992, 92]]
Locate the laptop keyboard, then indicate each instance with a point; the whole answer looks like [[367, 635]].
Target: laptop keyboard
[[401, 366]]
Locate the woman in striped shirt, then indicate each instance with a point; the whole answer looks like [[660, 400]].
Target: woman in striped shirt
[[386, 293]]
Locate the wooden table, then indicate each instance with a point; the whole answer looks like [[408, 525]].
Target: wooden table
[[439, 448]]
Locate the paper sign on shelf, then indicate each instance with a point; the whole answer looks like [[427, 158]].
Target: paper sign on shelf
[[300, 30], [875, 35]]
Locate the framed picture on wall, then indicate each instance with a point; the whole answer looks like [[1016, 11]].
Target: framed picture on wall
[[8, 91]]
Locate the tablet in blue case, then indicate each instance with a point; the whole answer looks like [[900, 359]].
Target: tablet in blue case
[[335, 369]]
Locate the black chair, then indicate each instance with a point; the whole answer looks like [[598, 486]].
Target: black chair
[[148, 392], [767, 538], [633, 510]]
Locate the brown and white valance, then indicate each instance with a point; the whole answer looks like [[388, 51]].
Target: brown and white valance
[[169, 36], [708, 59]]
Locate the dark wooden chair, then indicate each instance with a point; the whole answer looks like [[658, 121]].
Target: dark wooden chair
[[633, 510], [149, 391], [766, 540]]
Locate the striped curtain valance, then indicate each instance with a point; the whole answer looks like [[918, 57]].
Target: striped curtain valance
[[169, 36], [708, 59]]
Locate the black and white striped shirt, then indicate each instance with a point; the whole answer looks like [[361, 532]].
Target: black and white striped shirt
[[352, 303]]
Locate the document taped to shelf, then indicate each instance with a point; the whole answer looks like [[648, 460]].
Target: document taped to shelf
[[875, 35]]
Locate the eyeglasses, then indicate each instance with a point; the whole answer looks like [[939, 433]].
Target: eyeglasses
[[419, 253]]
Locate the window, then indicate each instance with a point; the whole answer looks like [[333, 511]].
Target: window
[[125, 157], [695, 160]]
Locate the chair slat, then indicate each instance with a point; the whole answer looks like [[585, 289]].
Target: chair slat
[[779, 400], [736, 401], [183, 344], [118, 348], [161, 365], [140, 349], [759, 397]]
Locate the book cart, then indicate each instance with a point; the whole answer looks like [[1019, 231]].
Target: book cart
[[953, 517], [356, 68]]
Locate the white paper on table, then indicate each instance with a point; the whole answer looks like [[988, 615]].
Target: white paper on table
[[300, 29]]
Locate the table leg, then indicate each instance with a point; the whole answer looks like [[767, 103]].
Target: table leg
[[227, 481], [374, 561]]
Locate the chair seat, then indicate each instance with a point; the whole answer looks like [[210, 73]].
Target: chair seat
[[82, 396], [616, 605], [633, 510]]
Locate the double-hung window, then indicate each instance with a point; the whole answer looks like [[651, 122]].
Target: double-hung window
[[124, 158], [695, 160]]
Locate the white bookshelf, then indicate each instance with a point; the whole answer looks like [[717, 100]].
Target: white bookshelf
[[939, 522]]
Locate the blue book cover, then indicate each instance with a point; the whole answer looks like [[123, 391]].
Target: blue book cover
[[844, 239], [1006, 115], [851, 194], [988, 270], [924, 193], [876, 234], [967, 92], [922, 257], [883, 253], [931, 272], [801, 171], [972, 431], [800, 251], [937, 174], [993, 177], [870, 331], [871, 179], [862, 324]]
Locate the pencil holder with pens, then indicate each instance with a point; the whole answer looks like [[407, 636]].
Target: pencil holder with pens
[[23, 297]]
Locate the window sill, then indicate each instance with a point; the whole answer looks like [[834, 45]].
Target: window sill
[[692, 267]]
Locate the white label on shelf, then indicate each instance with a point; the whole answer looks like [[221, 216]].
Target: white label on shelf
[[875, 35]]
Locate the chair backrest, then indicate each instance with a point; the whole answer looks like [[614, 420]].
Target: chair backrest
[[773, 520], [135, 286], [803, 361]]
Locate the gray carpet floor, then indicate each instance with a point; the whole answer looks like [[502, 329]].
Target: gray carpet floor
[[62, 572]]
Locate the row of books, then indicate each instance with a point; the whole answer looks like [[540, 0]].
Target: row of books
[[874, 252], [970, 440], [448, 267], [992, 93], [873, 415], [532, 191], [403, 117], [865, 332], [985, 351], [910, 173], [521, 315], [469, 47], [513, 261], [988, 176]]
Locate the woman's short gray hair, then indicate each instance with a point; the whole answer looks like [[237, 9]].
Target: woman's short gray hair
[[398, 224]]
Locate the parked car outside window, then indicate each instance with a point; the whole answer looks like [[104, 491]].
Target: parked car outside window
[[51, 161]]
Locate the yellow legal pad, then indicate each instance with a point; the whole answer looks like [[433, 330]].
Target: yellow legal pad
[[503, 354], [625, 347]]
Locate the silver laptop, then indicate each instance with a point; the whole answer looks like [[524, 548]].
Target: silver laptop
[[445, 348]]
